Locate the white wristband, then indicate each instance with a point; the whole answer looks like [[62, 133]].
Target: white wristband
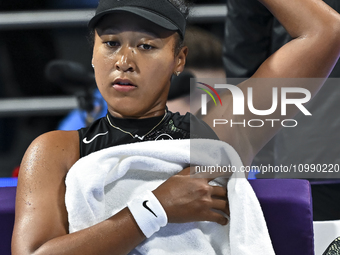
[[148, 213]]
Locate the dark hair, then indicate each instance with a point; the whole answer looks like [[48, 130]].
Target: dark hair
[[182, 5]]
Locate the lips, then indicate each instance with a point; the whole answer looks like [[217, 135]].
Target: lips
[[123, 85]]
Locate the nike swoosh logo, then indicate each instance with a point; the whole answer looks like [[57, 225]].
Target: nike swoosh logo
[[148, 208], [87, 142]]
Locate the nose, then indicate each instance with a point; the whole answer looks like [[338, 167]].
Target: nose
[[125, 59]]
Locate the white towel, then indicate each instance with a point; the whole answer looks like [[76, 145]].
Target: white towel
[[100, 185]]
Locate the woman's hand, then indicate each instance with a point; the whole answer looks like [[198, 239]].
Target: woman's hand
[[186, 199]]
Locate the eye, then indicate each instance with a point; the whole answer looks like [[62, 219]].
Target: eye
[[146, 46], [112, 44]]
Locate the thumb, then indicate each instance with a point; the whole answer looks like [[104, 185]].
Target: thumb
[[185, 171]]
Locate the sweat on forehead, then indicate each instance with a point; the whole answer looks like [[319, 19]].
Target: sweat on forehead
[[161, 12]]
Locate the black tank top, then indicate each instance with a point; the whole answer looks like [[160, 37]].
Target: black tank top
[[101, 134]]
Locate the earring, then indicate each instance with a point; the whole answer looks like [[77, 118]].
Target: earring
[[178, 73], [92, 65]]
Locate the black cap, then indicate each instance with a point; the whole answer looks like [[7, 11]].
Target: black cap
[[160, 12]]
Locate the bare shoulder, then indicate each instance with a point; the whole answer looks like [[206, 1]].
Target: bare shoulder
[[40, 213], [61, 146]]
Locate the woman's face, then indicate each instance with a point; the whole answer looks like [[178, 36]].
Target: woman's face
[[133, 61]]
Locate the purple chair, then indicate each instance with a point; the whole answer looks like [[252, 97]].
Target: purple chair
[[287, 208], [286, 204], [7, 203]]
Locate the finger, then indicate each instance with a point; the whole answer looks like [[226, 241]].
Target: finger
[[227, 211], [228, 203], [221, 205], [219, 191], [217, 217]]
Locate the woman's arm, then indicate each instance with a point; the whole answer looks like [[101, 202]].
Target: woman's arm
[[41, 223], [314, 50], [315, 28]]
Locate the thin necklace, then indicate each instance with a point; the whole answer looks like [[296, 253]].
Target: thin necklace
[[136, 136]]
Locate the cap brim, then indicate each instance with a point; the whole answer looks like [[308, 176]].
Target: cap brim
[[153, 17]]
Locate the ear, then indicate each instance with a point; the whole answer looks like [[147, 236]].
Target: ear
[[181, 59]]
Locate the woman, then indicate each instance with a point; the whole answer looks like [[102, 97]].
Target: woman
[[136, 51]]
